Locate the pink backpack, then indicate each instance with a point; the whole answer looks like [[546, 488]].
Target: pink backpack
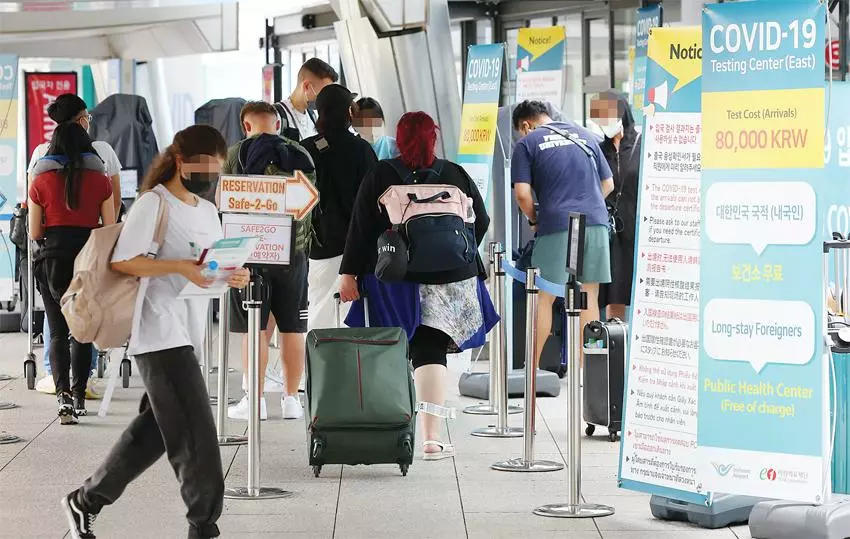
[[409, 200], [99, 303], [434, 222]]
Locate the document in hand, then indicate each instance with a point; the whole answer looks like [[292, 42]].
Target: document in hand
[[222, 260]]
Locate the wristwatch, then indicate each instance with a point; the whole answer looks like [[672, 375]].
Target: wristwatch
[[532, 222]]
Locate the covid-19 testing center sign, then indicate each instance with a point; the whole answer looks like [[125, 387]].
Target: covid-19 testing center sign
[[763, 426], [744, 175]]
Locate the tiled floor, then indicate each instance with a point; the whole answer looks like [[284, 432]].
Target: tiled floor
[[450, 499]]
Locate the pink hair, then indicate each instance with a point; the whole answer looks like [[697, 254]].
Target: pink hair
[[416, 137]]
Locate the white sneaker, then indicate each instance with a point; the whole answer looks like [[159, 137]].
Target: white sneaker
[[240, 410], [46, 385], [291, 407]]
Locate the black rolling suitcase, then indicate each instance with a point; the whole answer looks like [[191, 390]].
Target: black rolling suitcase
[[604, 370]]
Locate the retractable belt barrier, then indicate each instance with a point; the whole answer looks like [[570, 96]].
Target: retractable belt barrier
[[254, 491], [221, 386], [556, 290], [497, 395], [527, 463]]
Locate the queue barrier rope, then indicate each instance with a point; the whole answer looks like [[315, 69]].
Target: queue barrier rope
[[556, 290]]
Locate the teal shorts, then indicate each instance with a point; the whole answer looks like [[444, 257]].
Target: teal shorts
[[550, 256]]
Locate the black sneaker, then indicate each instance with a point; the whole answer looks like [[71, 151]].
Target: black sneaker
[[67, 413], [81, 522], [80, 406]]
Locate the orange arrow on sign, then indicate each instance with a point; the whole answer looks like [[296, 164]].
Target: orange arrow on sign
[[301, 195]]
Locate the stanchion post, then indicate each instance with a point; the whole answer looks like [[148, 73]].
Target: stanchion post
[[254, 491], [489, 408], [526, 463], [498, 359], [29, 363], [575, 301], [221, 393]]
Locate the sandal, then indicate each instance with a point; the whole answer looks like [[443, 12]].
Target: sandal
[[446, 450]]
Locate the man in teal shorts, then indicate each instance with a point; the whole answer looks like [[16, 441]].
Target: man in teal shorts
[[562, 165]]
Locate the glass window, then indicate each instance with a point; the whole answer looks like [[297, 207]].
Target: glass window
[[512, 36], [624, 39], [485, 31], [541, 22], [457, 45], [574, 78], [599, 47]]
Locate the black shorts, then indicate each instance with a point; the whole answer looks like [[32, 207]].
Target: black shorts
[[284, 296]]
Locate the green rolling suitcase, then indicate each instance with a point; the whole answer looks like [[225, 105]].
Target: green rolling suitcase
[[360, 398]]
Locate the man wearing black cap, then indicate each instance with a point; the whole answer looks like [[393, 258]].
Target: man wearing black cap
[[342, 159]]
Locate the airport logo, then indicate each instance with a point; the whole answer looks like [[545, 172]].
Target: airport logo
[[767, 474], [723, 469]]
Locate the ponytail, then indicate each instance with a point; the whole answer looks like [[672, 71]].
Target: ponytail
[[72, 141], [163, 169]]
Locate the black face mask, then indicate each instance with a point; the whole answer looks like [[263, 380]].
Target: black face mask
[[200, 183]]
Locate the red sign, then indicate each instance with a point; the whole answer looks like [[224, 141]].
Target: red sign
[[833, 55], [41, 90]]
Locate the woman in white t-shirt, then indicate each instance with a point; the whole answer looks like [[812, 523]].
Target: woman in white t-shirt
[[175, 416]]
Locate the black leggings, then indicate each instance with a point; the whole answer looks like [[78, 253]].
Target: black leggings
[[428, 347], [53, 275]]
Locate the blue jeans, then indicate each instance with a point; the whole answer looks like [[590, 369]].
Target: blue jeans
[[46, 338]]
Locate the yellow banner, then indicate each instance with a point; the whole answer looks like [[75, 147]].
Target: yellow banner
[[763, 129], [538, 41], [478, 128], [678, 50], [9, 122]]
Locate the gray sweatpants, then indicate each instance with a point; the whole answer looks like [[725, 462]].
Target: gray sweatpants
[[174, 418]]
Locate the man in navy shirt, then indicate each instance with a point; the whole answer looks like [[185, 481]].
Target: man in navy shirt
[[565, 168]]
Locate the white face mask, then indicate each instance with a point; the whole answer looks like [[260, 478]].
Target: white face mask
[[370, 133], [610, 126]]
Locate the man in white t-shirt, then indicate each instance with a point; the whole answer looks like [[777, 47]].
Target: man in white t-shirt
[[71, 108], [297, 119]]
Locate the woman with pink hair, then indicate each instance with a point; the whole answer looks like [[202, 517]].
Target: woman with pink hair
[[445, 312]]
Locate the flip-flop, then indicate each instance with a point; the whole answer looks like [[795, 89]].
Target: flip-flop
[[446, 450]]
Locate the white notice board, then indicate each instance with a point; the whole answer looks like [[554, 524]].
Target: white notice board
[[275, 233]]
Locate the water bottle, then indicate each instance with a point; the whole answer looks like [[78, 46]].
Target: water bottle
[[210, 270]]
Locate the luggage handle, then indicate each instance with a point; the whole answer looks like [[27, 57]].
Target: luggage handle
[[338, 303], [443, 195]]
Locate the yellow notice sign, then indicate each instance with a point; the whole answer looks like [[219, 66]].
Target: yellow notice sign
[[538, 41], [763, 129], [678, 51], [478, 128]]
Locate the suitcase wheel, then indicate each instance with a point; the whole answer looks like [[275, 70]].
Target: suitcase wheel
[[316, 451], [126, 371], [590, 429], [317, 471], [407, 447], [404, 468], [613, 436], [29, 373]]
